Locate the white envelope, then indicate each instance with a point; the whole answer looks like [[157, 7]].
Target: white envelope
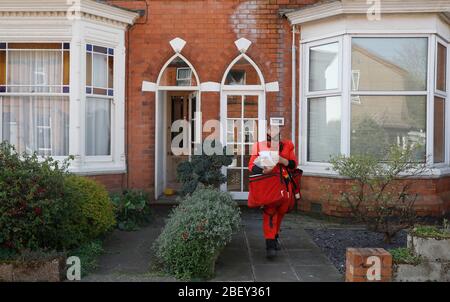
[[267, 159]]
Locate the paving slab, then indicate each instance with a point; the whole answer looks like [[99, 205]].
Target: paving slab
[[318, 273], [275, 272]]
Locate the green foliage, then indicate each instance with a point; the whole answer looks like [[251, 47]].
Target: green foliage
[[132, 209], [369, 137], [403, 255], [196, 232], [88, 254], [43, 207], [203, 169], [32, 200], [380, 195], [7, 254], [92, 211], [431, 232]]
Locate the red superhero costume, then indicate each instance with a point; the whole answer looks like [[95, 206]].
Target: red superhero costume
[[273, 214]]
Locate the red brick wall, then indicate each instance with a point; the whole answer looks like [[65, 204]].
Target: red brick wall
[[112, 182], [210, 28], [433, 195]]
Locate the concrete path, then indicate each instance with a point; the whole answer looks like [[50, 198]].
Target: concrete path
[[128, 255]]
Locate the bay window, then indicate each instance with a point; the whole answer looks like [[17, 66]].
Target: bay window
[[34, 97], [365, 93], [62, 82]]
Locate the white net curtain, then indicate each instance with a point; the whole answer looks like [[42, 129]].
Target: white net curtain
[[35, 123]]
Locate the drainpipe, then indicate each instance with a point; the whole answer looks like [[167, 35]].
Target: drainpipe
[[294, 85]]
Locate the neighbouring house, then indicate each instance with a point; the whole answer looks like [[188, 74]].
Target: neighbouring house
[[105, 80]]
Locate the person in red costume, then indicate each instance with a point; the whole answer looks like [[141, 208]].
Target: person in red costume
[[273, 214]]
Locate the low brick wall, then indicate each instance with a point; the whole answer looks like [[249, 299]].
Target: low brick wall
[[33, 271], [112, 182], [321, 195], [368, 265]]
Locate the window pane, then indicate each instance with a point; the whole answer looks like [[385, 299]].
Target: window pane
[[234, 180], [251, 106], [2, 67], [34, 45], [88, 69], [34, 71], [398, 64], [324, 128], [234, 130], [381, 121], [250, 128], [242, 73], [99, 49], [38, 124], [441, 67], [324, 67], [439, 130], [178, 73], [234, 106], [235, 77], [66, 72], [100, 70], [110, 72], [98, 126]]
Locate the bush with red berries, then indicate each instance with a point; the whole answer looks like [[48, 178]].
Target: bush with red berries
[[33, 201]]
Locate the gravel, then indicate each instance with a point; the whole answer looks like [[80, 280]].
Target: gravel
[[334, 242]]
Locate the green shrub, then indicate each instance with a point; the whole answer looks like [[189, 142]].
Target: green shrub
[[32, 200], [203, 169], [92, 211], [132, 209], [196, 232], [88, 254], [403, 255], [430, 232], [381, 195]]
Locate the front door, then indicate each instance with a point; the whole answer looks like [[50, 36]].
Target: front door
[[181, 106], [172, 106], [244, 120]]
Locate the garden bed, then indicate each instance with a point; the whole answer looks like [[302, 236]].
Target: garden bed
[[334, 242]]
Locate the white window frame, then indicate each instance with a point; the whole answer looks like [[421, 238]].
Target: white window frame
[[444, 95], [188, 79], [34, 94], [100, 158], [241, 90], [305, 50], [346, 96]]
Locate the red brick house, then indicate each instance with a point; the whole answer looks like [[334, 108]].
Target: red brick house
[[104, 80]]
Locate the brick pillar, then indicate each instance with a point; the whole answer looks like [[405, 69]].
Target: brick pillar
[[368, 265]]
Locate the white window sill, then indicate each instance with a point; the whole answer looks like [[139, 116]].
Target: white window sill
[[91, 169]]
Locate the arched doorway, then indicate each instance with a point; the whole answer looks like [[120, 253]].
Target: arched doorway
[[177, 98], [243, 115]]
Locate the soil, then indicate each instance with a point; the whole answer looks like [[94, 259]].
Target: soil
[[334, 242]]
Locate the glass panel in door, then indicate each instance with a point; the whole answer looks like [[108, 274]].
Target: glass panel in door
[[242, 132]]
